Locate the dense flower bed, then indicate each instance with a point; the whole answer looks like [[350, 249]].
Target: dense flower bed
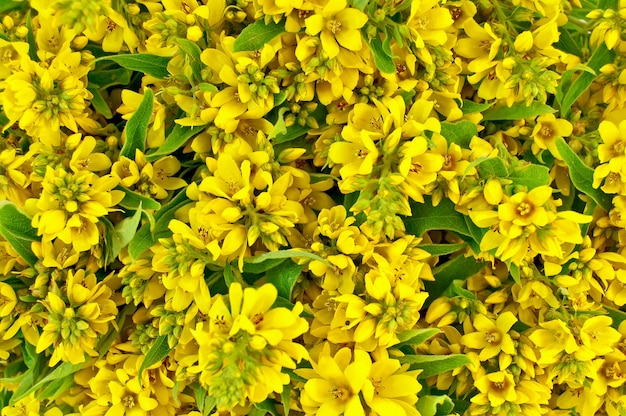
[[316, 207]]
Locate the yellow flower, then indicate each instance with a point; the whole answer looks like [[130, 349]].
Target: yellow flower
[[338, 27], [29, 406], [128, 397], [547, 130], [334, 383], [245, 345], [491, 337], [42, 99], [357, 156], [74, 324], [553, 338], [390, 390], [496, 388], [70, 205], [527, 208], [111, 30], [613, 141]]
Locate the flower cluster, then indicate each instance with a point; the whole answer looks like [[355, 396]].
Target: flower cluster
[[312, 207]]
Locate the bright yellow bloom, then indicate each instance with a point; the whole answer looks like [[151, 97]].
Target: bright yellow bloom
[[390, 390], [245, 345], [70, 205], [496, 388], [547, 130], [491, 337], [74, 323], [334, 383], [42, 99], [338, 27], [553, 338]]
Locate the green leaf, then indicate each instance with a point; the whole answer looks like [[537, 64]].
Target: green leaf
[[383, 60], [517, 111], [470, 107], [284, 277], [567, 43], [530, 175], [285, 254], [55, 388], [254, 36], [63, 370], [434, 405], [109, 77], [174, 141], [125, 231], [431, 365], [460, 132], [137, 126], [133, 200], [8, 5], [99, 103], [267, 406], [416, 336], [285, 397], [426, 217], [442, 249], [16, 228], [616, 315], [459, 268], [30, 38], [146, 63], [192, 52], [229, 276], [492, 167], [600, 57], [257, 268], [279, 127], [159, 350], [147, 237], [515, 272], [358, 4], [582, 175]]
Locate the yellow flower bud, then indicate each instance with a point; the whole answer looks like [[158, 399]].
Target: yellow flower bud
[[7, 22], [194, 33], [524, 42], [493, 191]]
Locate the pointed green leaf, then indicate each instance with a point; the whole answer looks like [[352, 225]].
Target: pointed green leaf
[[137, 126], [284, 277], [99, 103], [530, 175], [159, 350], [16, 228], [601, 56], [431, 365], [382, 59], [582, 175], [434, 405], [442, 249], [416, 336], [285, 254], [125, 231], [460, 132], [517, 111], [146, 63], [470, 107], [425, 217], [174, 141], [133, 200], [256, 35], [459, 268]]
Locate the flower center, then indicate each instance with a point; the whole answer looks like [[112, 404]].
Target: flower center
[[524, 209], [128, 401], [334, 26]]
